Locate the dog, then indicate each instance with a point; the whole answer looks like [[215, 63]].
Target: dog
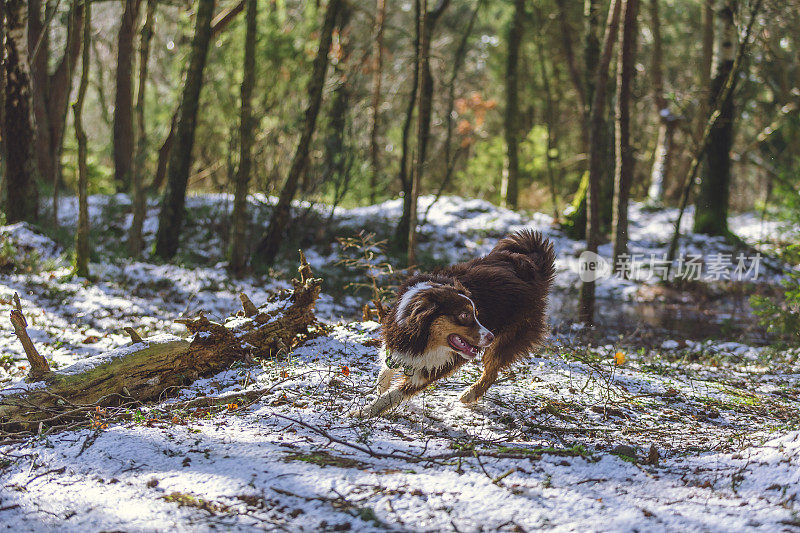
[[493, 305]]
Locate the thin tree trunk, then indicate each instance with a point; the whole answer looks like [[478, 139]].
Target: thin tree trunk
[[662, 159], [135, 242], [82, 233], [586, 304], [575, 222], [509, 190], [662, 156], [623, 172], [218, 25], [19, 139], [550, 113], [458, 61], [569, 53], [411, 250], [60, 86], [401, 233], [424, 107], [269, 245], [170, 218], [705, 65], [377, 79], [239, 218], [123, 136], [337, 157], [163, 156], [39, 46], [698, 154], [711, 206]]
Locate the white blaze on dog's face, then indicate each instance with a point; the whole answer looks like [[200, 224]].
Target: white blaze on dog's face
[[457, 327]]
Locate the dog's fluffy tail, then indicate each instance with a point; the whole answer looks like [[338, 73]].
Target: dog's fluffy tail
[[531, 253]]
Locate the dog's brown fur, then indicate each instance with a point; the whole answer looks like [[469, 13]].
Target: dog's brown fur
[[508, 289]]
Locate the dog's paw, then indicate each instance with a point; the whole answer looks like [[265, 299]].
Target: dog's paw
[[469, 396]]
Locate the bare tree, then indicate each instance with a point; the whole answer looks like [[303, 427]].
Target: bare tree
[[427, 24], [51, 90], [135, 242], [663, 154], [401, 233], [238, 246], [123, 136], [711, 207], [269, 245], [586, 303], [377, 79], [218, 24], [623, 172], [82, 233], [509, 191], [170, 219], [19, 139]]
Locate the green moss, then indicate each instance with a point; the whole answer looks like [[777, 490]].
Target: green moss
[[323, 458]]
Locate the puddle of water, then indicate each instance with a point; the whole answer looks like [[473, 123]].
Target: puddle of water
[[724, 319]]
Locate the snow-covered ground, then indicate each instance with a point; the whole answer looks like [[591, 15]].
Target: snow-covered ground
[[549, 447]]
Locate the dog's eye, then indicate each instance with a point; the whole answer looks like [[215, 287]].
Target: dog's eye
[[464, 317]]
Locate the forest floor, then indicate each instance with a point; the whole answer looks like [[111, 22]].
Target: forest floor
[[697, 429]]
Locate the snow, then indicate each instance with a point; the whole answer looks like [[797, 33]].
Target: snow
[[277, 451]]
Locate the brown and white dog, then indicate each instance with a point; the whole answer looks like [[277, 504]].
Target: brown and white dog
[[493, 305]]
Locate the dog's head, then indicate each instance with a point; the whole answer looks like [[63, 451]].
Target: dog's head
[[433, 315]]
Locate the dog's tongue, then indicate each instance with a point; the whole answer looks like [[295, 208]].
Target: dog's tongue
[[463, 347]]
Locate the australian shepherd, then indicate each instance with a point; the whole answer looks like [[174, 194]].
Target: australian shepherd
[[494, 305]]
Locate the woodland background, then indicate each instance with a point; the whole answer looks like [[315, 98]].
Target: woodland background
[[179, 97]]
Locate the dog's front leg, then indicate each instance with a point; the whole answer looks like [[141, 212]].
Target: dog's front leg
[[383, 403], [491, 368], [385, 377]]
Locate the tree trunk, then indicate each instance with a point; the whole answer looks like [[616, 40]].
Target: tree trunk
[[424, 107], [720, 102], [239, 218], [401, 233], [82, 232], [662, 156], [551, 111], [135, 242], [623, 172], [451, 158], [218, 25], [123, 136], [586, 304], [705, 66], [377, 79], [170, 218], [269, 245], [51, 91], [337, 155], [566, 32], [19, 139], [149, 368], [662, 160], [711, 206], [39, 46], [509, 190], [575, 222]]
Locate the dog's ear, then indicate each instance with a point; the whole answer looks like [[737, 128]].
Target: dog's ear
[[422, 310], [460, 288]]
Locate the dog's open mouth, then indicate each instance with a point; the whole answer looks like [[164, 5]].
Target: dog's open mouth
[[464, 349]]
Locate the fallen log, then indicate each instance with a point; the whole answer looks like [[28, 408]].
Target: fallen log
[[150, 368]]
